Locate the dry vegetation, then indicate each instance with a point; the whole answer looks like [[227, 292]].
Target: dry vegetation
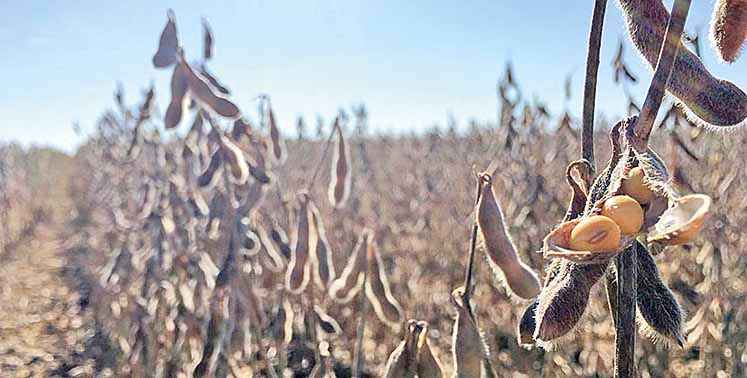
[[227, 250]]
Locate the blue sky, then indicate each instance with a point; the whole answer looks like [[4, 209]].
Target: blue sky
[[412, 63]]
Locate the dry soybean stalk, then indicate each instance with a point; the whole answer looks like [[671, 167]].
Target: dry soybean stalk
[[590, 86], [358, 359], [327, 145], [472, 247], [664, 68], [625, 263]]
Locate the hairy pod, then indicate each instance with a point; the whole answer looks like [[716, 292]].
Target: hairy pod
[[469, 349], [378, 291], [527, 324], [179, 88], [345, 287], [661, 314], [402, 362], [208, 178], [168, 44], [204, 93], [236, 162], [322, 263], [562, 302], [339, 185], [729, 28], [428, 364], [714, 102], [278, 146], [297, 276], [499, 247]]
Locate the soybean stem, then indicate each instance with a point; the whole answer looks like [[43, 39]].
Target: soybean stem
[[472, 247], [627, 276], [664, 67], [358, 359], [590, 84]]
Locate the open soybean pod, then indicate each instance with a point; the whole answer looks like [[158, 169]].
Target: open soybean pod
[[278, 145], [179, 88], [322, 264], [682, 221], [729, 28], [708, 100], [661, 314], [378, 291], [168, 44], [499, 248], [202, 91], [403, 361], [340, 178], [468, 346], [528, 323], [345, 287], [297, 274]]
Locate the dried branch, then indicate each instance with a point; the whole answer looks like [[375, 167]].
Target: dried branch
[[625, 264], [590, 85], [664, 68], [472, 247]]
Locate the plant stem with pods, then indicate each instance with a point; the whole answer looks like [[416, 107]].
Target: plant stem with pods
[[638, 137]]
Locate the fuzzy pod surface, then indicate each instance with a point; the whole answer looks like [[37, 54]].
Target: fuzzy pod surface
[[729, 28], [499, 247], [712, 101]]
